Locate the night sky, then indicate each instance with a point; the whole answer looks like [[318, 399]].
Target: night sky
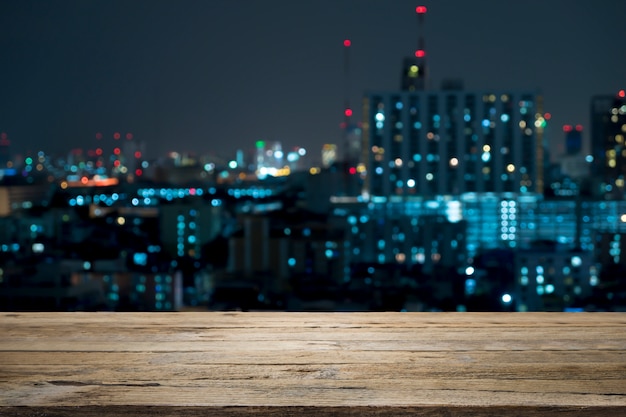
[[217, 75]]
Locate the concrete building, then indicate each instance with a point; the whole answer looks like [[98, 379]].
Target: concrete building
[[608, 130], [450, 142], [551, 278]]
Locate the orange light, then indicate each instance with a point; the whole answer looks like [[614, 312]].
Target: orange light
[[84, 180]]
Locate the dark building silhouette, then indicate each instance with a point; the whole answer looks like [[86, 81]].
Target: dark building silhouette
[[608, 129]]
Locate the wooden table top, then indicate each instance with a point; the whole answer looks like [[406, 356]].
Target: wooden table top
[[312, 364]]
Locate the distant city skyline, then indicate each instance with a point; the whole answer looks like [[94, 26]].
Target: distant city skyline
[[218, 76]]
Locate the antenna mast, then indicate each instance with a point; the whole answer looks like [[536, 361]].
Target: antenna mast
[[347, 112], [420, 52]]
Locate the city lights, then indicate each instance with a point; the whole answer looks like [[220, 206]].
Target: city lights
[[430, 196]]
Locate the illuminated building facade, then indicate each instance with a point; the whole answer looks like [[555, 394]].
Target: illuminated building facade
[[429, 143], [187, 226], [329, 155], [608, 130], [549, 279], [429, 233]]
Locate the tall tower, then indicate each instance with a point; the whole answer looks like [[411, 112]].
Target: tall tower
[[608, 124], [414, 68], [351, 130]]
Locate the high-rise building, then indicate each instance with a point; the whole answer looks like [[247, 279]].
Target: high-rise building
[[573, 139], [187, 226], [451, 142], [413, 77], [608, 129], [573, 164], [5, 155]]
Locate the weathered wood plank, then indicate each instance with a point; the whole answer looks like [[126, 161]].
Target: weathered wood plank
[[277, 364]]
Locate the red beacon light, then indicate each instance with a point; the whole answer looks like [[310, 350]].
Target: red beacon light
[[420, 9], [579, 128], [348, 112], [621, 93], [347, 43], [420, 53], [567, 128]]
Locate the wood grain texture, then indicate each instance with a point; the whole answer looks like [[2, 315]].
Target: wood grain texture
[[312, 364]]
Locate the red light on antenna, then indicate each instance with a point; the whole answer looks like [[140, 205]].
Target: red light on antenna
[[117, 151], [622, 93], [116, 135], [137, 154], [116, 163], [347, 43], [547, 116], [420, 9], [348, 112], [420, 53], [352, 170], [567, 128], [579, 128], [99, 151], [129, 136], [138, 172]]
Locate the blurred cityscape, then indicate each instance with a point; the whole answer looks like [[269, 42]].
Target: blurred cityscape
[[439, 199]]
